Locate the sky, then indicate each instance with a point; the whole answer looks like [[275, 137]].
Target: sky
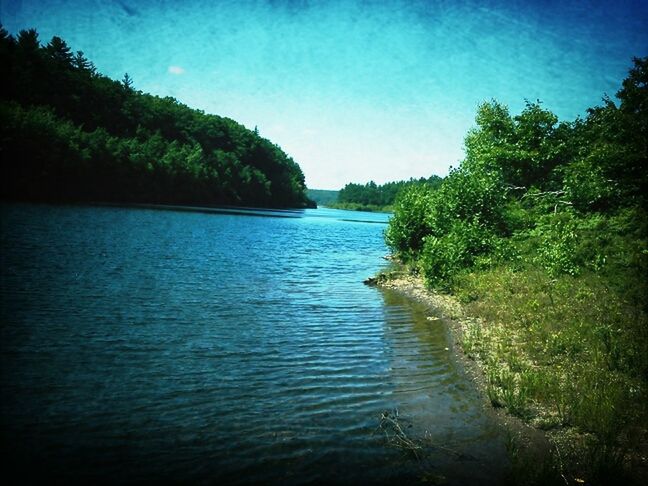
[[355, 90]]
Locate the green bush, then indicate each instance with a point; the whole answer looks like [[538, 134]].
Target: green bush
[[556, 239], [445, 257], [409, 225]]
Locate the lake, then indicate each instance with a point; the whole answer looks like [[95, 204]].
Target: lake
[[172, 346]]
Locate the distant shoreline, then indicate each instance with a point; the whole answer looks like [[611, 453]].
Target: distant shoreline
[[189, 208], [242, 210], [360, 207]]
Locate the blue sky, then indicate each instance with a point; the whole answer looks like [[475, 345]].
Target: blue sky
[[355, 90]]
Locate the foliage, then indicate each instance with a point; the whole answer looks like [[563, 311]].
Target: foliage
[[543, 232], [322, 197], [445, 256], [70, 134], [530, 179], [373, 197], [409, 226]]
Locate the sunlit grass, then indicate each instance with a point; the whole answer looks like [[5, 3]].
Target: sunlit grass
[[564, 354]]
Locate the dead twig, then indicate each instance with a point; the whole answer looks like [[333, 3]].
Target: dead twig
[[396, 435]]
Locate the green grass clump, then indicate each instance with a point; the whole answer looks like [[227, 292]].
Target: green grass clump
[[565, 353]]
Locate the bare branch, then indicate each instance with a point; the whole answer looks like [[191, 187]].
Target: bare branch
[[545, 193]]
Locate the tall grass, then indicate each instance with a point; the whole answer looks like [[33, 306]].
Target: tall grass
[[566, 354]]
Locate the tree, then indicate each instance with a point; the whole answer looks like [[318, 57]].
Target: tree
[[609, 170], [129, 146], [28, 42], [127, 82], [80, 62], [59, 51]]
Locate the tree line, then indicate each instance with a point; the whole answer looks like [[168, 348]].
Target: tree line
[[374, 197], [72, 134]]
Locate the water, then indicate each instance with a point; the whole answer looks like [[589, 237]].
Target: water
[[147, 345]]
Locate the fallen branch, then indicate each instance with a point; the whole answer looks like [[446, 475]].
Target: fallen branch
[[545, 193], [395, 434]]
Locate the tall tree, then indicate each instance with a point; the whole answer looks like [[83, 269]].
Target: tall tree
[[127, 81], [59, 51], [80, 62]]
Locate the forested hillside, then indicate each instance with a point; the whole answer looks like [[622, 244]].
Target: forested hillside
[[323, 197], [69, 133], [542, 232]]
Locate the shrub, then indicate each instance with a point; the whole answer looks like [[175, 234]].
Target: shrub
[[445, 257], [409, 225]]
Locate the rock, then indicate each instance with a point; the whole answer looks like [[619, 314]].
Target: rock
[[371, 281]]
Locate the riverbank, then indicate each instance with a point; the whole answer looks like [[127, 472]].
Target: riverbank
[[524, 392]]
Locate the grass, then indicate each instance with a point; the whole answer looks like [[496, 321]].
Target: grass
[[568, 355]]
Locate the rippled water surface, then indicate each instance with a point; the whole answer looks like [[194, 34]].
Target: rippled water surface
[[140, 344]]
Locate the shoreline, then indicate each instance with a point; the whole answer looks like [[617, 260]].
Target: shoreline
[[446, 308], [539, 454], [527, 444], [281, 212]]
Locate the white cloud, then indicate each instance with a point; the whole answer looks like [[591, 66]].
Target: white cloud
[[177, 70]]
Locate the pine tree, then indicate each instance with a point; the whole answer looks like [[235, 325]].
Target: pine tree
[[127, 81], [58, 50]]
